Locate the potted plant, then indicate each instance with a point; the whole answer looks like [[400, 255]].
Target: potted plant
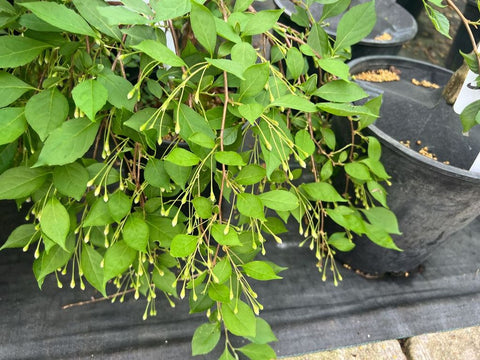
[[162, 167]]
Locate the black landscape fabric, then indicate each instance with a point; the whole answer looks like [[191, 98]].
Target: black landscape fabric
[[306, 314]]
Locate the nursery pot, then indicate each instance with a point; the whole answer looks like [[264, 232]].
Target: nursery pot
[[393, 28], [414, 7], [431, 199]]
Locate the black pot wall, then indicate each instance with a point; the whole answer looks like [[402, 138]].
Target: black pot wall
[[431, 200]]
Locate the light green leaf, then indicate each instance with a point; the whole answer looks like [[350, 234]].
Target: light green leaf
[[229, 66], [264, 333], [251, 174], [279, 200], [251, 111], [21, 236], [49, 262], [355, 25], [334, 9], [68, 142], [340, 109], [358, 171], [244, 53], [340, 241], [304, 142], [203, 26], [374, 148], [205, 338], [382, 218], [159, 52], [222, 271], [99, 214], [60, 16], [55, 222], [295, 102], [6, 7], [203, 207], [89, 10], [378, 192], [11, 88], [165, 281], [46, 111], [91, 266], [439, 20], [12, 123], [168, 9], [179, 174], [229, 158], [136, 233], [90, 96], [242, 5], [182, 157], [71, 180], [258, 351], [318, 41], [321, 191], [255, 79], [183, 245], [191, 122], [335, 67], [380, 237], [260, 270], [226, 354], [20, 182], [219, 292], [250, 205], [226, 31], [117, 89], [470, 116], [139, 6], [340, 91], [295, 63], [229, 238], [239, 319], [261, 22], [117, 259], [19, 50], [120, 15], [119, 205]]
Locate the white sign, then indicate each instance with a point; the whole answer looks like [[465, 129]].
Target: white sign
[[469, 93]]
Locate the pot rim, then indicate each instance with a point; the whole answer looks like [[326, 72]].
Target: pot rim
[[437, 166]]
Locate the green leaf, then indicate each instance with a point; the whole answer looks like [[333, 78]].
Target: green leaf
[[279, 200], [374, 148], [260, 270], [340, 91], [226, 354], [261, 22], [264, 333], [21, 236], [11, 88], [6, 7], [162, 231], [321, 191], [12, 123], [71, 180], [182, 157], [60, 16], [219, 292], [89, 10], [358, 171], [345, 109], [341, 242], [224, 235], [20, 182], [255, 79], [355, 25], [183, 245], [90, 96], [68, 142], [226, 31], [159, 52], [244, 53], [295, 63], [251, 174], [304, 142], [202, 139], [470, 116], [120, 15], [179, 174], [251, 111], [165, 281], [55, 222], [203, 207], [203, 26], [222, 271], [155, 173], [99, 214], [229, 158], [242, 5], [334, 9], [136, 233], [250, 205], [382, 218], [119, 205], [335, 67], [46, 111], [318, 41], [117, 90], [378, 192], [229, 66], [91, 266], [258, 352], [19, 50], [239, 319], [117, 259], [139, 6], [50, 262], [374, 106], [192, 122], [205, 338], [168, 9], [440, 21], [295, 102], [380, 237]]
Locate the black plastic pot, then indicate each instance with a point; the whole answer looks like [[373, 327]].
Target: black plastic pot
[[432, 200], [462, 40], [392, 19], [414, 7]]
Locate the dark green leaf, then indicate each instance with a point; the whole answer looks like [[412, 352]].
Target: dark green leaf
[[91, 266], [119, 205], [136, 233], [12, 123], [89, 10], [251, 174], [159, 52], [20, 182], [183, 245], [90, 96], [279, 200], [203, 207], [203, 26], [156, 174], [19, 50], [318, 41], [21, 236], [165, 281], [261, 22], [334, 9], [11, 88], [51, 261], [182, 157], [219, 292], [260, 270], [355, 25], [250, 205], [295, 102], [117, 89], [239, 319], [321, 191], [341, 242], [340, 91], [255, 79], [117, 259], [224, 235], [71, 180]]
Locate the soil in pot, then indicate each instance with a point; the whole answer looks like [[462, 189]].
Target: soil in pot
[[432, 199]]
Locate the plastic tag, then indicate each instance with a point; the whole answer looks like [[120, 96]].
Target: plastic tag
[[476, 165], [469, 93]]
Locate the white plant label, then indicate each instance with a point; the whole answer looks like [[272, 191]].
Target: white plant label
[[469, 93], [476, 165]]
